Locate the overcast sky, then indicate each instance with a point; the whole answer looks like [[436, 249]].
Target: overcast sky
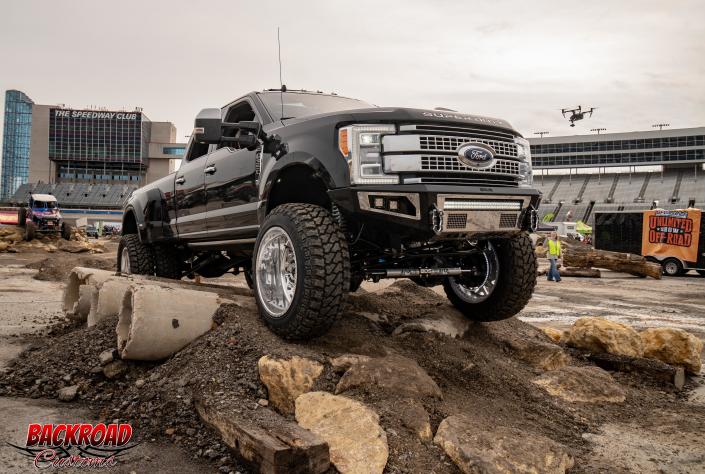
[[641, 62]]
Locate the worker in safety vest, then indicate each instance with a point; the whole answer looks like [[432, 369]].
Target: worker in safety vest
[[553, 254]]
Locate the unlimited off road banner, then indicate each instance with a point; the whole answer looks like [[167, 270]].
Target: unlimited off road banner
[[671, 234]]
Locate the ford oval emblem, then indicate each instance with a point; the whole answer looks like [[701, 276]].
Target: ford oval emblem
[[476, 155]]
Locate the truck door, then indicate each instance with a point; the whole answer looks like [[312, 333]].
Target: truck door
[[189, 192], [231, 187]]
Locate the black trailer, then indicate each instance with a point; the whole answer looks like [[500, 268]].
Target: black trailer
[[623, 231]]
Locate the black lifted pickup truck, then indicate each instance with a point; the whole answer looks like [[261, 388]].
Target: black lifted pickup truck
[[309, 194]]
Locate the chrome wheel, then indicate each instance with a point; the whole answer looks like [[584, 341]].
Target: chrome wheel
[[479, 285], [275, 270], [125, 261]]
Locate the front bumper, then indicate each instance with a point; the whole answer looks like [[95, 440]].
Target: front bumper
[[441, 211]]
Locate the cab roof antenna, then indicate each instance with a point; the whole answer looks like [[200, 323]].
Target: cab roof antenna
[[282, 87]]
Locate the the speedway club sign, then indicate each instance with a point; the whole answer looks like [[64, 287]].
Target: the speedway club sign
[[671, 233], [95, 114], [76, 445]]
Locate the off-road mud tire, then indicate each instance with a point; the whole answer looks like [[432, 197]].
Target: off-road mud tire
[[66, 231], [167, 263], [322, 274], [516, 282], [29, 231], [140, 254], [22, 217]]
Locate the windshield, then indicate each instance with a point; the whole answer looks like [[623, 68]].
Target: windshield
[[45, 204], [302, 104]]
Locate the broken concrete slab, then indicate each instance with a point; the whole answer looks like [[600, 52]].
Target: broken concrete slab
[[286, 379], [358, 444], [582, 385], [269, 442], [393, 373], [476, 449]]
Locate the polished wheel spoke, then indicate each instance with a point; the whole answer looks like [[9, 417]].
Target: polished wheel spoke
[[489, 271], [276, 271]]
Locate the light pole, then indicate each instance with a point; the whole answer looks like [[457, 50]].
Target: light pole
[[598, 130], [660, 125], [541, 134]]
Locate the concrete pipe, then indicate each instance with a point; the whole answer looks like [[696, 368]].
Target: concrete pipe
[[107, 300], [156, 322], [76, 303]]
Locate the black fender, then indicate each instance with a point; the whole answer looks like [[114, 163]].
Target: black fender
[[148, 209], [273, 168]]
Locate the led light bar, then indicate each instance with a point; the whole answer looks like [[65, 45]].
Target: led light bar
[[468, 205]]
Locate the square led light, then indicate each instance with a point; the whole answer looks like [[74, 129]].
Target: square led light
[[379, 202], [393, 204]]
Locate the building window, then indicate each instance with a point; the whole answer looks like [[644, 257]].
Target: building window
[[174, 150], [17, 132]]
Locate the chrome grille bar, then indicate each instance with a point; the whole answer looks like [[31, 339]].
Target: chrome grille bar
[[451, 144]]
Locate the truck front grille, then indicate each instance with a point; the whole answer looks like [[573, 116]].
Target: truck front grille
[[444, 143]]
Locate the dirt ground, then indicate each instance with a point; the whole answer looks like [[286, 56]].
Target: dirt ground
[[656, 429]]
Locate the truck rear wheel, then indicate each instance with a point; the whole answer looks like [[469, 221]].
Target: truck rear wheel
[[301, 271], [22, 217], [503, 284], [134, 256], [29, 230], [167, 263], [66, 231]]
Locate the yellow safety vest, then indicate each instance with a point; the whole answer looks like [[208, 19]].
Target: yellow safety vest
[[554, 248]]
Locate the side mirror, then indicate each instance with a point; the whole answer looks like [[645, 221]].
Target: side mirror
[[207, 126]]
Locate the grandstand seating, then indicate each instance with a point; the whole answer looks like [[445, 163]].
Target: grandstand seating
[[626, 190], [77, 195]]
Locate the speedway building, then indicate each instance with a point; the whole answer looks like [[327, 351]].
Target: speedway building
[[90, 158], [583, 174]]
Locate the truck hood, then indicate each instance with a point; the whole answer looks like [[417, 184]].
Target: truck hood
[[407, 115]]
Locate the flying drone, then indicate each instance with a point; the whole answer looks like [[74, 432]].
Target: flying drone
[[577, 114]]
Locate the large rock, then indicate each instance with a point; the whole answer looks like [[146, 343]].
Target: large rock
[[554, 334], [286, 379], [414, 416], [476, 449], [357, 442], [673, 346], [393, 373], [581, 384], [602, 335]]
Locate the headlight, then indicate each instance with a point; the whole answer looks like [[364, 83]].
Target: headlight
[[524, 154], [361, 145]]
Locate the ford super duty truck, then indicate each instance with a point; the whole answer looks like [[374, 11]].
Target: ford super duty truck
[[309, 194]]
